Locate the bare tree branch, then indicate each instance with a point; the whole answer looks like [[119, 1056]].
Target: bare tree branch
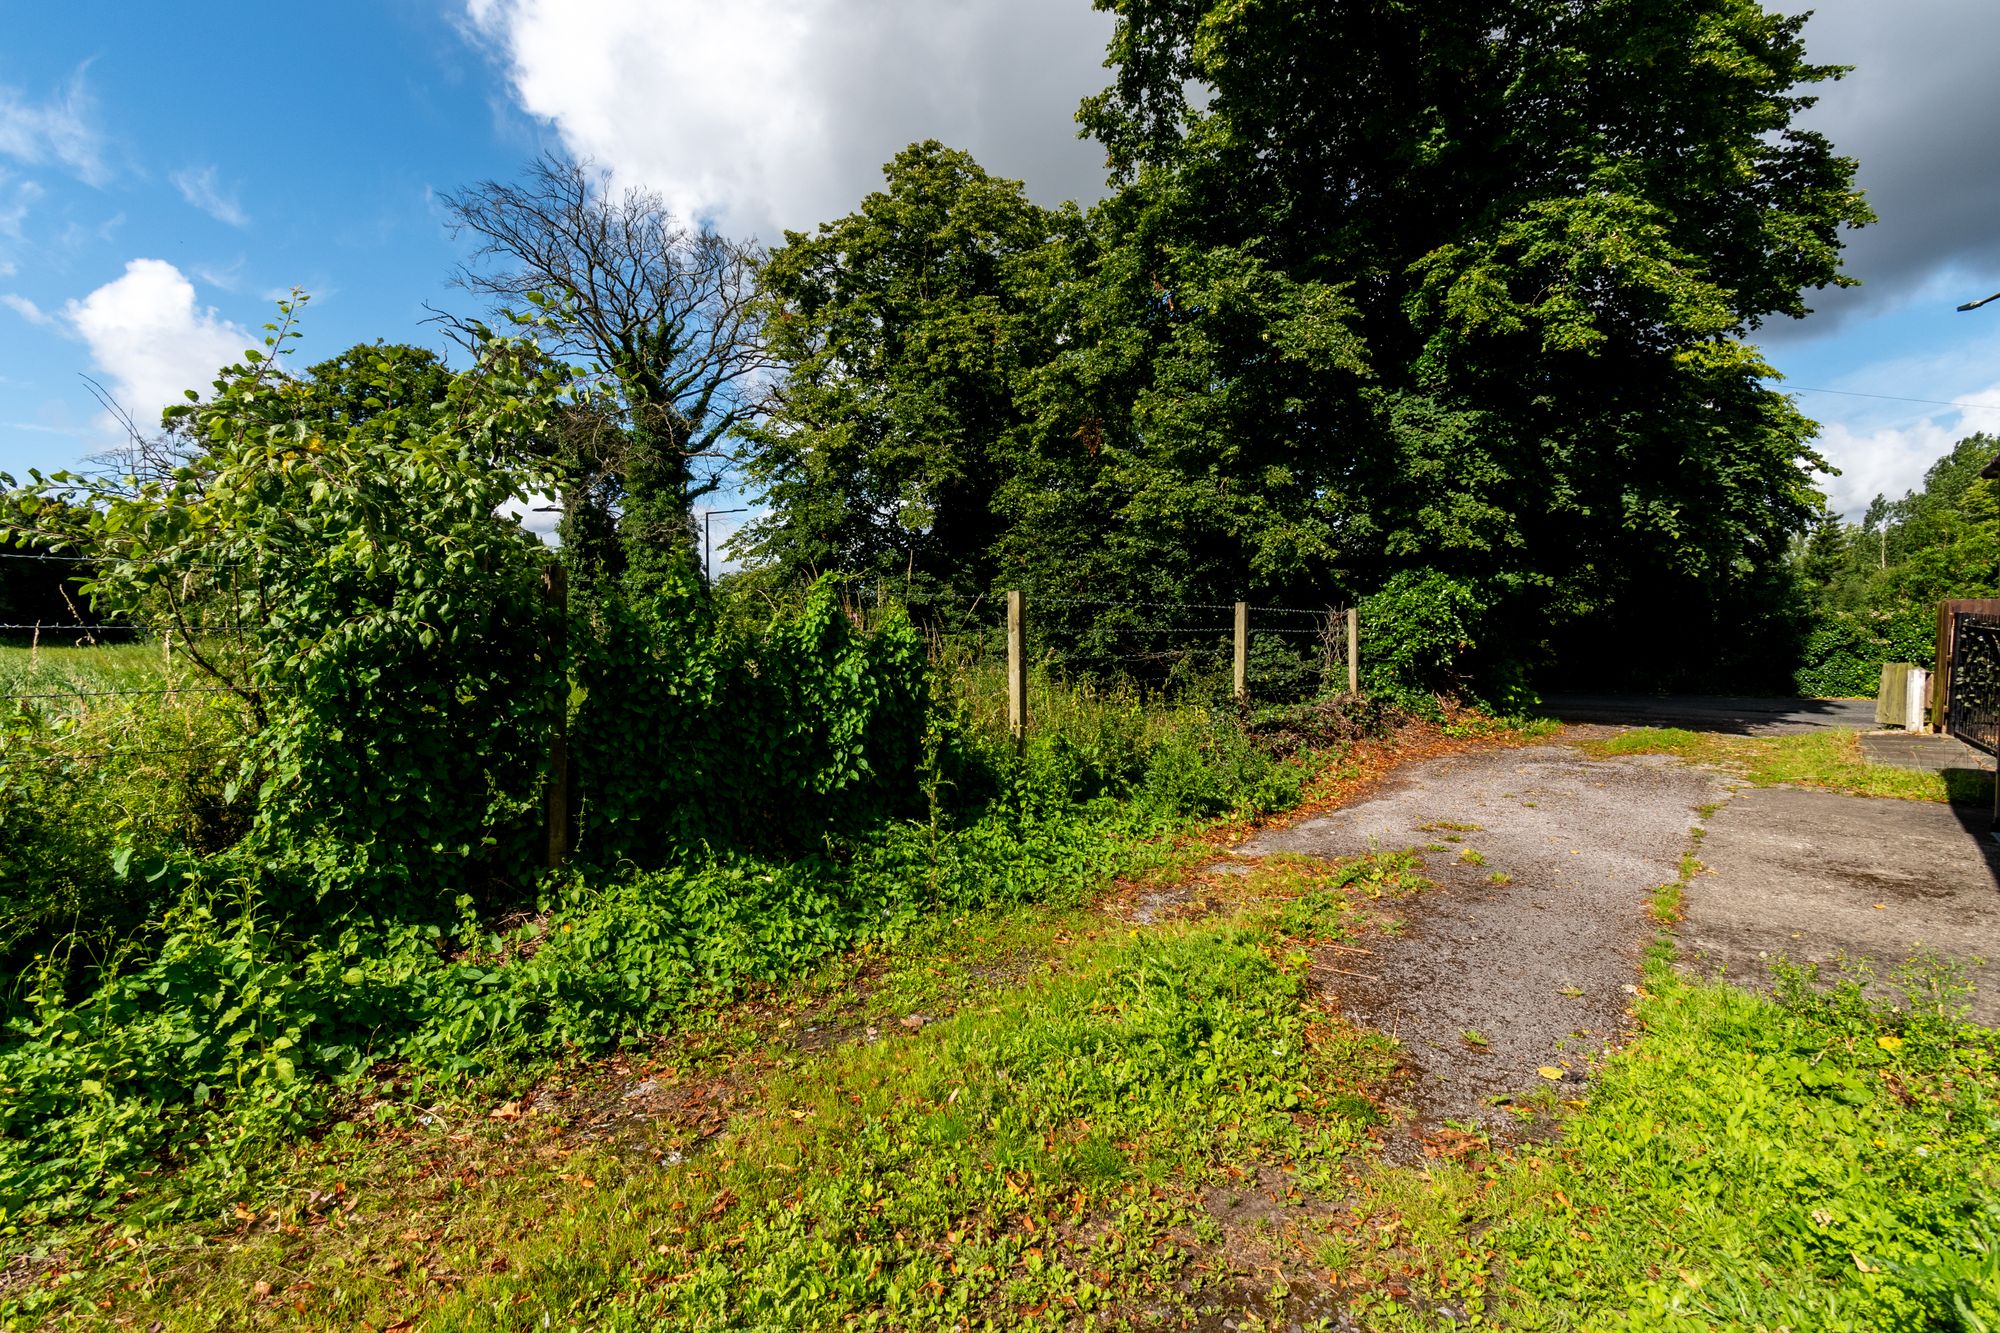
[[665, 310]]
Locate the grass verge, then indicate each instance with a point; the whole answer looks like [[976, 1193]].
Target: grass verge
[[1031, 1150], [1829, 760]]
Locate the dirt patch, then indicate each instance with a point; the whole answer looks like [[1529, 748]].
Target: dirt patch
[[1526, 957]]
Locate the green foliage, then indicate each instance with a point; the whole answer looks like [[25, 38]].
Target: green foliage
[[1874, 586], [226, 1026], [104, 795], [905, 329], [1421, 630], [1460, 289], [339, 560], [689, 732], [1818, 1162]]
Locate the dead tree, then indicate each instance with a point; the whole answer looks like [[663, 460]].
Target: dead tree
[[663, 309]]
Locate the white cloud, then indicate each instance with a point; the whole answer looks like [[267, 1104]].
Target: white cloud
[[152, 340], [202, 189], [25, 308], [16, 198], [1889, 460], [1881, 438], [766, 114], [57, 130]]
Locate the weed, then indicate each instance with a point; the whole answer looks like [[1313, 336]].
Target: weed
[[1500, 878], [1045, 1147], [1471, 857], [1474, 1037]]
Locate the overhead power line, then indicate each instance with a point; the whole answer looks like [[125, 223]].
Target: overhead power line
[[1887, 397]]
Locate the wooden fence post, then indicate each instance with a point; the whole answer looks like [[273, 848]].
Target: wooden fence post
[[1353, 650], [1242, 653], [1017, 669], [555, 588]]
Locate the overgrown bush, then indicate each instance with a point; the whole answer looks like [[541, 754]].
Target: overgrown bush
[[342, 562], [692, 733], [1419, 633]]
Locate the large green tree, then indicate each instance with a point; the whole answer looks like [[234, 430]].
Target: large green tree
[[1553, 227], [907, 330], [1384, 292]]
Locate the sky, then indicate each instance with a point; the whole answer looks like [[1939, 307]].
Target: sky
[[164, 181]]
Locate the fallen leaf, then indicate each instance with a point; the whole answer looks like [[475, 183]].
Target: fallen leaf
[[1551, 1073], [505, 1111], [1889, 1043], [913, 1021], [1881, 907], [260, 1288]]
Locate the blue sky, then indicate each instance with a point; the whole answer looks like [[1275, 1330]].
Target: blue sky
[[163, 179]]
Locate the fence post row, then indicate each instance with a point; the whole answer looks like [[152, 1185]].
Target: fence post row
[[1017, 659]]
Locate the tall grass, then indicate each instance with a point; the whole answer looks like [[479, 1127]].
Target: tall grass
[[114, 762]]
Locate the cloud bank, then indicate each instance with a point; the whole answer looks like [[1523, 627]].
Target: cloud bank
[[763, 115], [1919, 113], [152, 340]]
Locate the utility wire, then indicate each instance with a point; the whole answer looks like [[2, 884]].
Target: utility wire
[[1887, 397]]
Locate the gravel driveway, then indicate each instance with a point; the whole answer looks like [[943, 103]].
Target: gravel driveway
[[1540, 966], [1526, 955]]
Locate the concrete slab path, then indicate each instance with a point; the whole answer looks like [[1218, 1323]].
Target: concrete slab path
[[1815, 876], [1545, 860], [1923, 751]]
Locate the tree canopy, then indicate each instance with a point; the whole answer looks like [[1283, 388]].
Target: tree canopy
[[1463, 288]]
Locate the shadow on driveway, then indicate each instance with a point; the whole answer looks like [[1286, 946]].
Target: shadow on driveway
[[1734, 715]]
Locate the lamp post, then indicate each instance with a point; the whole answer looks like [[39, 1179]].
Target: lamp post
[[708, 541]]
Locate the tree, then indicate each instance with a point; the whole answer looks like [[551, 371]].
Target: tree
[[341, 559], [904, 330], [1548, 229], [664, 310]]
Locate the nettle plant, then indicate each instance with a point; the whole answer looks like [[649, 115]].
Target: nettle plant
[[337, 551]]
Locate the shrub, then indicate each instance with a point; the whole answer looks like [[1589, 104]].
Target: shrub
[[1418, 634], [1845, 650]]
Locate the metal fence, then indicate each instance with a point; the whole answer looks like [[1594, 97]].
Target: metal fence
[[1974, 712]]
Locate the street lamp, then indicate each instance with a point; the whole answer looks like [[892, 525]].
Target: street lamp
[[708, 541], [1974, 305]]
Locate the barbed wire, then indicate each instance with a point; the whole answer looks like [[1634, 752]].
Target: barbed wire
[[7, 758], [81, 629], [109, 694], [113, 559]]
